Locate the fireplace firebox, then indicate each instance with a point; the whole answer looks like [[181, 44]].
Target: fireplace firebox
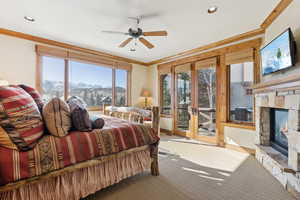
[[279, 130]]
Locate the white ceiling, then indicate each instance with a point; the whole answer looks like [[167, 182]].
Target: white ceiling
[[80, 22]]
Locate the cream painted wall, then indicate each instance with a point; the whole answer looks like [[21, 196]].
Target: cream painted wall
[[17, 60], [140, 80], [239, 137], [153, 81], [18, 63]]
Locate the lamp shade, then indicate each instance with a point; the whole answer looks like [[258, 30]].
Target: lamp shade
[[145, 93]]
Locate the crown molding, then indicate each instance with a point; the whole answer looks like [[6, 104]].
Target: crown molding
[[282, 5], [226, 41], [66, 46]]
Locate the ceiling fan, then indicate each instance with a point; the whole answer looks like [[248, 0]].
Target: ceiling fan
[[137, 34]]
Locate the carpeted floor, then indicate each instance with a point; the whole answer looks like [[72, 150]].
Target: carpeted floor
[[194, 170]]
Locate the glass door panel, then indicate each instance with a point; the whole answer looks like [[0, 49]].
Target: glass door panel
[[206, 79], [183, 100]]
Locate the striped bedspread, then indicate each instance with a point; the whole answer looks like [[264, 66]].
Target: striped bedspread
[[52, 153]]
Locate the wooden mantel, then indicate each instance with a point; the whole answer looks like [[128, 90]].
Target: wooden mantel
[[288, 83]]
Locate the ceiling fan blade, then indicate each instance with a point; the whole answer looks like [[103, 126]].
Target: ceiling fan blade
[[150, 15], [115, 32], [123, 44], [155, 33], [146, 43]]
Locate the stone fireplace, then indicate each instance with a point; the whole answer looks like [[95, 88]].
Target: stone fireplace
[[278, 133]]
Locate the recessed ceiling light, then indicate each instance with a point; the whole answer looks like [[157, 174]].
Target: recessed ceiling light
[[30, 19], [212, 9]]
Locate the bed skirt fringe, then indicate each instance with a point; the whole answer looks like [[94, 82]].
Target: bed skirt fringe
[[83, 182]]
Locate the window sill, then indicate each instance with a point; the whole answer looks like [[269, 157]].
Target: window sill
[[165, 116], [239, 125], [98, 108]]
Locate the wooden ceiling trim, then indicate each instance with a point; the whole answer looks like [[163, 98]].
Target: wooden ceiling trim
[[283, 4], [66, 46], [236, 38]]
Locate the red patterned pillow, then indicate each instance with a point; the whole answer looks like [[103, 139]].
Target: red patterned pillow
[[20, 117], [35, 95]]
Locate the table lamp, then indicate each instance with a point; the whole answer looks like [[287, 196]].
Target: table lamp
[[146, 93]]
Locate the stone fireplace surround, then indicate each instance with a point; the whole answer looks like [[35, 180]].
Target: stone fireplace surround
[[285, 169]]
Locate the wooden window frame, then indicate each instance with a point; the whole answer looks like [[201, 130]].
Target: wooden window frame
[[161, 95], [163, 70], [256, 79], [68, 56], [229, 121], [183, 68]]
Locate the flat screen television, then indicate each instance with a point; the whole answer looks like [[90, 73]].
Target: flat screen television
[[279, 54]]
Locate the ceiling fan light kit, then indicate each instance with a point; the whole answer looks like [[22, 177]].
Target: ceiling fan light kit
[[137, 33]]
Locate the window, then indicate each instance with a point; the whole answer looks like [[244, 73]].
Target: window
[[165, 94], [121, 87], [91, 82], [183, 99], [206, 78], [96, 80], [53, 77], [241, 98]]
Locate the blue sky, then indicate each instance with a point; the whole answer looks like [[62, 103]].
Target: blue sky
[[281, 42], [53, 70]]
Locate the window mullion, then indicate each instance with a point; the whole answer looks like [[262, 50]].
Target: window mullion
[[128, 89], [66, 82], [113, 86]]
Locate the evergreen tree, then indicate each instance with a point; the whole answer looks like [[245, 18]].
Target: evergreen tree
[[98, 100], [93, 103], [279, 54]]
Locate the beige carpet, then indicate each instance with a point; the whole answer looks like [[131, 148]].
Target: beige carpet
[[194, 170]]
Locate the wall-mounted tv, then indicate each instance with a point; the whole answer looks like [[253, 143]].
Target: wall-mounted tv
[[279, 54]]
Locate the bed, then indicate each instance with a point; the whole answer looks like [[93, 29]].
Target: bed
[[81, 163]]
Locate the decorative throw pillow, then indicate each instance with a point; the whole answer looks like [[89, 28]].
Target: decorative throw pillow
[[77, 100], [57, 117], [97, 122], [5, 140], [79, 114], [20, 117], [35, 95]]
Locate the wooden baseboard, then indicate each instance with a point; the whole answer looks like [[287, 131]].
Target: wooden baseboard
[[240, 149], [166, 131]]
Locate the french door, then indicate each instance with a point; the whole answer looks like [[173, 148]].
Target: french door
[[183, 98], [205, 102], [196, 87]]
